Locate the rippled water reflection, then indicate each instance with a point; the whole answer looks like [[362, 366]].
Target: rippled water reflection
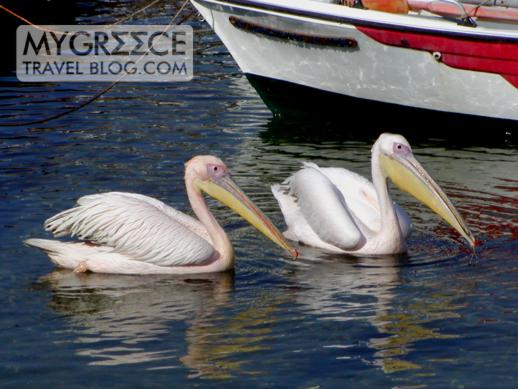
[[439, 316]]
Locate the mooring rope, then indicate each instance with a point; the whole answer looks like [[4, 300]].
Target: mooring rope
[[105, 90], [27, 21]]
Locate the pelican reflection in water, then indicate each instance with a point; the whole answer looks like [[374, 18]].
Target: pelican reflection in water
[[120, 320], [360, 289], [342, 212], [117, 319], [163, 322], [128, 233]]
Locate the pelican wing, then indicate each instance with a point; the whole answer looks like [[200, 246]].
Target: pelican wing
[[316, 212], [136, 226], [361, 198]]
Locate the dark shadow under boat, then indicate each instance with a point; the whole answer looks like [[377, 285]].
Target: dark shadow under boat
[[314, 113]]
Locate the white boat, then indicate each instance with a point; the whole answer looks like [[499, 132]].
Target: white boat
[[441, 60]]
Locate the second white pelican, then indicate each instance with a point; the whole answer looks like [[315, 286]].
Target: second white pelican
[[128, 233], [341, 211]]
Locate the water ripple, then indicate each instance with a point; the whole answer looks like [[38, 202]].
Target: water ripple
[[437, 316]]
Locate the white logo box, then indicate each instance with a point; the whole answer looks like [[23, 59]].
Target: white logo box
[[86, 53]]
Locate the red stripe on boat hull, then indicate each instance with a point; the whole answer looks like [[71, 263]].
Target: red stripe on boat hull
[[512, 79], [490, 56], [478, 64]]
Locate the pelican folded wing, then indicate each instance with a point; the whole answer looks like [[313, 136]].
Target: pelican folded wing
[[324, 208], [136, 226]]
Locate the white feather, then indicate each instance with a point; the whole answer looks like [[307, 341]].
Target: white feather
[[298, 227], [321, 205], [361, 196], [103, 259], [136, 227], [331, 208]]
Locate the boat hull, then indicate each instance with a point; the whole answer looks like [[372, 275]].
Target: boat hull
[[329, 51]]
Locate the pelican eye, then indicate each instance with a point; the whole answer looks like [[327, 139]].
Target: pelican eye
[[402, 149], [215, 171]]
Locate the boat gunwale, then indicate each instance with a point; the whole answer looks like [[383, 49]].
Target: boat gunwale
[[460, 31]]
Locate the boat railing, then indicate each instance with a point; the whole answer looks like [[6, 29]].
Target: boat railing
[[464, 18], [464, 12]]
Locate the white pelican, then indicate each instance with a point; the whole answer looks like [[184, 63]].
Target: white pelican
[[128, 233], [341, 211]]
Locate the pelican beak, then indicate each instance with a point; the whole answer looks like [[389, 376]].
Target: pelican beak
[[226, 191], [408, 174]]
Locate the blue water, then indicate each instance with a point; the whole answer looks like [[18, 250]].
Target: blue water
[[437, 317]]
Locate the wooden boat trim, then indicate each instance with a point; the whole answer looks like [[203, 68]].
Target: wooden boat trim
[[319, 40]]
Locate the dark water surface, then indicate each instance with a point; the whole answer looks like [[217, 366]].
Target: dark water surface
[[437, 317]]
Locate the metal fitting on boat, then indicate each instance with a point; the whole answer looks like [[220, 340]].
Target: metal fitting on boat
[[437, 56]]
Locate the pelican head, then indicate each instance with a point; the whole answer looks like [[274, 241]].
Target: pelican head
[[398, 163], [210, 175]]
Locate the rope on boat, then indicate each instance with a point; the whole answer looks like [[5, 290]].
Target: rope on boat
[[477, 7], [27, 21], [130, 16], [105, 90]]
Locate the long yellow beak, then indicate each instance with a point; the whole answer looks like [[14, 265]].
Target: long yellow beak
[[227, 192], [408, 174]]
